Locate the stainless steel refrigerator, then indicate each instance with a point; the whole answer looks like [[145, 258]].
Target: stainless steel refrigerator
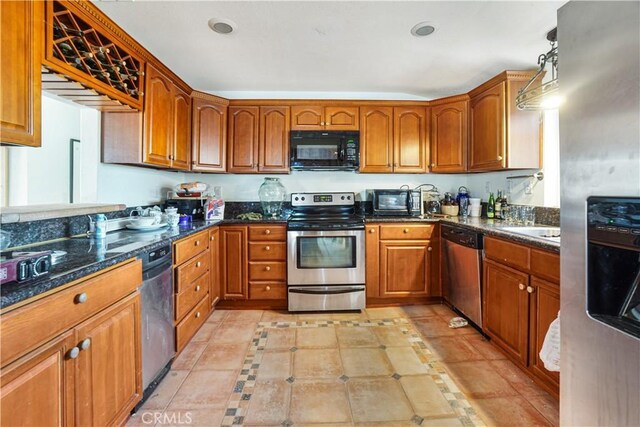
[[599, 74]]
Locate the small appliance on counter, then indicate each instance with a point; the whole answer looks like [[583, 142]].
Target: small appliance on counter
[[22, 267], [397, 202]]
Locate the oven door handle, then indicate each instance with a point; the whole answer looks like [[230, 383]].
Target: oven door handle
[[326, 292]]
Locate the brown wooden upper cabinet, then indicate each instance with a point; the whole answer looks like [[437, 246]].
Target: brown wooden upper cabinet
[[393, 139], [258, 139], [316, 117], [502, 137], [208, 133], [449, 135], [167, 122], [21, 45]]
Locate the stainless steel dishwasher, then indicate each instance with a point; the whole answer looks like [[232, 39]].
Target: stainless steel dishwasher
[[462, 252], [158, 334]]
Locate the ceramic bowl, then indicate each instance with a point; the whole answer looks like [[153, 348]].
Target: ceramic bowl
[[144, 220], [450, 210]]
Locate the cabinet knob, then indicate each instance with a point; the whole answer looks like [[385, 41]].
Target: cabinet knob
[[212, 238], [198, 264], [73, 353], [388, 165], [405, 231], [372, 230], [267, 231], [395, 165], [268, 288], [521, 286], [85, 344], [322, 123], [429, 249], [433, 165], [197, 314], [197, 243], [197, 288], [531, 289], [267, 248], [499, 158], [81, 298], [267, 268]]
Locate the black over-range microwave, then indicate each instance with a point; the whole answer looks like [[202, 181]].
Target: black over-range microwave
[[325, 150]]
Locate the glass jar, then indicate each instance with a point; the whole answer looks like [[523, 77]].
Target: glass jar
[[272, 193]]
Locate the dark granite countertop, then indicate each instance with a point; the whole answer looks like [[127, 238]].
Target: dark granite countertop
[[85, 256], [489, 227]]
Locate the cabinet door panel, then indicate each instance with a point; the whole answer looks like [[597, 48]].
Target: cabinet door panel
[[21, 47], [274, 139], [506, 308], [234, 262], [181, 157], [158, 119], [214, 265], [488, 140], [449, 137], [372, 262], [410, 140], [341, 118], [405, 268], [209, 136], [37, 390], [244, 125], [307, 117], [544, 310], [109, 383], [376, 139]]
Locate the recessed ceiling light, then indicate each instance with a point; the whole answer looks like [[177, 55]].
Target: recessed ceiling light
[[422, 29], [221, 26]]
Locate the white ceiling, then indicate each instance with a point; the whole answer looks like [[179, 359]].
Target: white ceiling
[[324, 49]]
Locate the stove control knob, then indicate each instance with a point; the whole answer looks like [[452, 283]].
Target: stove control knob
[[296, 199], [342, 198], [348, 197], [302, 199]]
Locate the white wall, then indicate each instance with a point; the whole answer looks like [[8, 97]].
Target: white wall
[[481, 184]]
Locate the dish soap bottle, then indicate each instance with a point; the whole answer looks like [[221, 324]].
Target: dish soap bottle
[[101, 226], [491, 206]]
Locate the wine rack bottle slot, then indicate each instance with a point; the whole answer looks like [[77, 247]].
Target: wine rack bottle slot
[[89, 49]]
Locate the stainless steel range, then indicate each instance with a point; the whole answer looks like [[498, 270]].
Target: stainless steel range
[[325, 251]]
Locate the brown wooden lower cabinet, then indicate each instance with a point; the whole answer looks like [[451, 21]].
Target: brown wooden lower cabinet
[[91, 374], [400, 260], [214, 265], [233, 262], [519, 306]]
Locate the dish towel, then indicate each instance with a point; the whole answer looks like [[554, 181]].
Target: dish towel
[[550, 352]]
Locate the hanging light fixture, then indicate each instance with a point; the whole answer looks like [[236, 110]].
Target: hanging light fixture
[[536, 95]]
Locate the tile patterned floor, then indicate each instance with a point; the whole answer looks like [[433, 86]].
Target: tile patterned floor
[[397, 366]]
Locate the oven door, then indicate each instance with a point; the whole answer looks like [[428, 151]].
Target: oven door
[[317, 257]]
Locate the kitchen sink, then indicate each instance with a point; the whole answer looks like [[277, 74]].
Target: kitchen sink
[[551, 233]]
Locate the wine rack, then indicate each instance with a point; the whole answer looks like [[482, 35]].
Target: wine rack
[[92, 58]]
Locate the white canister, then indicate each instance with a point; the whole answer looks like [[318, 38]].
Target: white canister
[[475, 211], [474, 202]]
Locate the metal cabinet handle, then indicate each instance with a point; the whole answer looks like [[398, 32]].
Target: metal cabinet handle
[[267, 248], [499, 158], [372, 230], [268, 288], [198, 264], [429, 249], [405, 231], [531, 289], [267, 231], [267, 268], [85, 344], [197, 288], [81, 298], [73, 353], [521, 286], [197, 243], [197, 314]]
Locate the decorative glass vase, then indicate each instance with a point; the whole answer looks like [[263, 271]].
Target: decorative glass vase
[[272, 193]]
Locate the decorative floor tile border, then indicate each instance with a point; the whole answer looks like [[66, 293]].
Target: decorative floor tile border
[[238, 405]]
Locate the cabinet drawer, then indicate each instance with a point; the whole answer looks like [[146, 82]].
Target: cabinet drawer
[[187, 273], [267, 232], [25, 328], [507, 253], [191, 295], [271, 270], [275, 251], [267, 290], [405, 232], [191, 323], [189, 247], [546, 265]]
